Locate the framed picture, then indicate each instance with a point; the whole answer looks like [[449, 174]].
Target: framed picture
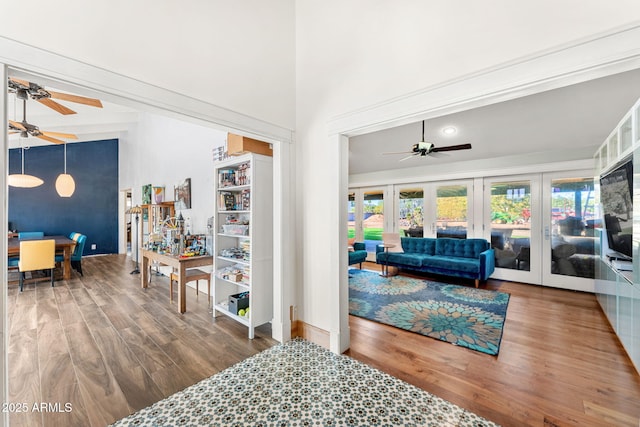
[[158, 194], [182, 193], [146, 194]]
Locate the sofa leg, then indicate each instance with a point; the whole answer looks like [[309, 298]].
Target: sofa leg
[[477, 282]]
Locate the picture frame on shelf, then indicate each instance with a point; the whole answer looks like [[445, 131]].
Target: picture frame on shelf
[[146, 194], [158, 195]]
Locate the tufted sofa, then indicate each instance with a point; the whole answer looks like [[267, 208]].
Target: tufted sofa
[[358, 255], [467, 258]]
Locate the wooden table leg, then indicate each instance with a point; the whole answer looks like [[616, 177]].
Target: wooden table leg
[[182, 289], [66, 270], [144, 276]]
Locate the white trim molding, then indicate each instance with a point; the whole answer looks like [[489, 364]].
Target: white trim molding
[[605, 54]]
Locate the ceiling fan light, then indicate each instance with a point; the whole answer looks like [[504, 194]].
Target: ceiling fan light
[[65, 185], [21, 180]]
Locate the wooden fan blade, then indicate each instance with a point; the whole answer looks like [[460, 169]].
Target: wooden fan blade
[[17, 125], [452, 148], [48, 138], [20, 82], [76, 98], [59, 134], [14, 132], [55, 106]]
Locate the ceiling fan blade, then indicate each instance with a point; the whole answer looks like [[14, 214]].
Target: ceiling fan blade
[[398, 152], [13, 132], [452, 148], [20, 82], [59, 134], [76, 98], [17, 125], [48, 138], [408, 157], [55, 106]]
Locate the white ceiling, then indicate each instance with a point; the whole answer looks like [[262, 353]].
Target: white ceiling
[[575, 120]]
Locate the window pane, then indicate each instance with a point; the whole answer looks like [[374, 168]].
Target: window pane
[[573, 224], [373, 219], [452, 211], [411, 217], [511, 224]]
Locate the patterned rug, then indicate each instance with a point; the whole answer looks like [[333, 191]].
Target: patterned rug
[[302, 384], [461, 315]]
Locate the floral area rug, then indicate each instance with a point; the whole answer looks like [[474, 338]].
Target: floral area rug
[[302, 384], [464, 316]]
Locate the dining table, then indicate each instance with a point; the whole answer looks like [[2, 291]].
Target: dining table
[[63, 244], [180, 264]]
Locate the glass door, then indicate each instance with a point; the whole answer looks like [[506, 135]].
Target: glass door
[[570, 225], [410, 211], [513, 226], [453, 210], [373, 218]]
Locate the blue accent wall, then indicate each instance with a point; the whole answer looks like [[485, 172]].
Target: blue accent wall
[[91, 210]]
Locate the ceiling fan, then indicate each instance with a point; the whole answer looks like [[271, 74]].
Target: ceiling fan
[[25, 129], [25, 89], [424, 149]]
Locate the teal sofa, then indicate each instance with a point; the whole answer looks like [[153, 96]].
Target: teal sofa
[[358, 255], [466, 258]]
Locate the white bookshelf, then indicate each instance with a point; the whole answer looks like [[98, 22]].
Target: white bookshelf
[[243, 221]]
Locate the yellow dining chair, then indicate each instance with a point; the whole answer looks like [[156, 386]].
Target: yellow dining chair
[[36, 255]]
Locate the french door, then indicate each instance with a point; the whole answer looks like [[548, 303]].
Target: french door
[[512, 224], [570, 229]]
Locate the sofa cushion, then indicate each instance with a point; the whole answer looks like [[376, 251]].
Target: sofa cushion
[[466, 265], [410, 260], [462, 248], [421, 245]]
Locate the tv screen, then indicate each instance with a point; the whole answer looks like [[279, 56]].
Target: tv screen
[[616, 197]]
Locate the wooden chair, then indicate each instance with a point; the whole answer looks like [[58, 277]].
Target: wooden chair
[[36, 255], [191, 275]]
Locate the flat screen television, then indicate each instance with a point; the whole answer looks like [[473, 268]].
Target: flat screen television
[[616, 198]]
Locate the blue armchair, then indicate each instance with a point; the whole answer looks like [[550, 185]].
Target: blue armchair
[[358, 255], [76, 256]]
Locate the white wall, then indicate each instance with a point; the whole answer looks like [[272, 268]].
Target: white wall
[[350, 55], [164, 152], [239, 55]]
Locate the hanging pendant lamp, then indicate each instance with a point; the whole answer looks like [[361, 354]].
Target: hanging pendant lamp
[[65, 185], [23, 180]]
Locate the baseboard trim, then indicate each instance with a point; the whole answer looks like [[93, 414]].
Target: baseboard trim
[[310, 333]]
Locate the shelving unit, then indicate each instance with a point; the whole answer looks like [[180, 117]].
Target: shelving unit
[[243, 237], [152, 215], [618, 290]]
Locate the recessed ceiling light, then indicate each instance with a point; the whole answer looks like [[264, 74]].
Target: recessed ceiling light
[[449, 130]]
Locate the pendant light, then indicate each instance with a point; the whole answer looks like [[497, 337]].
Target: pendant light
[[65, 185], [21, 180]]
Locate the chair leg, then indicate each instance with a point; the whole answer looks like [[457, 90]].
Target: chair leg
[[21, 280], [52, 285]]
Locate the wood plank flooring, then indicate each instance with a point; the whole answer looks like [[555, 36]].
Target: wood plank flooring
[[560, 363], [109, 348]]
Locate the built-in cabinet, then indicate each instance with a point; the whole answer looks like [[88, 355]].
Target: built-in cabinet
[[618, 292], [243, 240]]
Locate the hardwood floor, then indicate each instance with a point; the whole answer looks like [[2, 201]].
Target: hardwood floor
[[560, 363], [109, 348], [106, 347]]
